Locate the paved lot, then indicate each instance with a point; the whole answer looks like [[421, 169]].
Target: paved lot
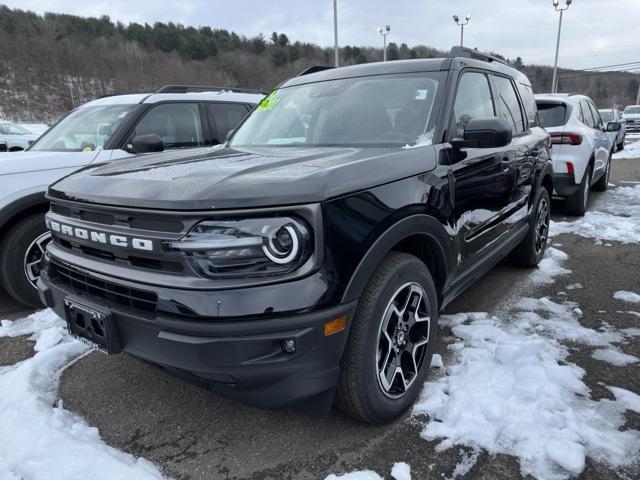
[[193, 434]]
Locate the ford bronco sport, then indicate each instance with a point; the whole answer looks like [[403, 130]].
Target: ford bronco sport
[[306, 260]]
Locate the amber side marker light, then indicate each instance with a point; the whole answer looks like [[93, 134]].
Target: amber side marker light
[[335, 326]]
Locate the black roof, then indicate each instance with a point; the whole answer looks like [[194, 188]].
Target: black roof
[[459, 58]]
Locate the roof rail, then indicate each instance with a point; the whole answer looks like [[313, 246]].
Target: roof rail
[[314, 69], [204, 88], [465, 52]]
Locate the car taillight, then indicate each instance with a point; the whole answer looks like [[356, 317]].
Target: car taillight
[[570, 169], [566, 138]]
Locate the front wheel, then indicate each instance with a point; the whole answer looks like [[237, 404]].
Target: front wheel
[[20, 254], [391, 342], [531, 250], [603, 182]]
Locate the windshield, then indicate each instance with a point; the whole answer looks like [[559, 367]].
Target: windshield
[[607, 115], [551, 114], [633, 110], [12, 129], [84, 129], [385, 110]]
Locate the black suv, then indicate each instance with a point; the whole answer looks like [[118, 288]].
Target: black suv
[[307, 260]]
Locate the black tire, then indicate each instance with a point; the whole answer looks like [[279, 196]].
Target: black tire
[[621, 145], [603, 182], [360, 391], [531, 250], [13, 250], [578, 203]]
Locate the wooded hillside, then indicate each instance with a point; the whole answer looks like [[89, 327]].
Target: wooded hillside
[[53, 62]]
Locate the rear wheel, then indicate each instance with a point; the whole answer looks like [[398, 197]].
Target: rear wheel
[[577, 203], [531, 250], [20, 254], [391, 343]]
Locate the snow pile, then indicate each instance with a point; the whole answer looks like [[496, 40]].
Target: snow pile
[[615, 216], [512, 392], [614, 357], [628, 399], [630, 151], [400, 471], [39, 439], [630, 297], [550, 266]]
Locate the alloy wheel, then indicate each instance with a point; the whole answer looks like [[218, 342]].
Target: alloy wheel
[[403, 338], [32, 257], [542, 225]]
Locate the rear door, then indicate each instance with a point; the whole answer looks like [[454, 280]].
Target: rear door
[[222, 118], [602, 143], [484, 178]]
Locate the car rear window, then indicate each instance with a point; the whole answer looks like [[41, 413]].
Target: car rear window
[[552, 114]]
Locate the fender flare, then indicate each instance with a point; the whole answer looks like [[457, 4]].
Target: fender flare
[[418, 224], [20, 205]]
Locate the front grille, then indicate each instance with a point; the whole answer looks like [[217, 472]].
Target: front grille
[[84, 284], [139, 221]]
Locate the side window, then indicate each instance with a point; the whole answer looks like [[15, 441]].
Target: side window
[[224, 117], [526, 94], [510, 109], [596, 115], [586, 114], [473, 100], [178, 124]]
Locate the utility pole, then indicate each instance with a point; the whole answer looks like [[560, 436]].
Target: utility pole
[[461, 24], [384, 31], [554, 81], [638, 97], [336, 50]]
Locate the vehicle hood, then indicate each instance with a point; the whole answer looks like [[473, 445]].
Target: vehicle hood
[[202, 179], [634, 116], [23, 162]]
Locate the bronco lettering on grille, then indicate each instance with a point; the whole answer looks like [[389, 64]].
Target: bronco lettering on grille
[[103, 238]]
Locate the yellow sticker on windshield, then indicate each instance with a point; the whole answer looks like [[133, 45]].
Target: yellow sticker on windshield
[[270, 101]]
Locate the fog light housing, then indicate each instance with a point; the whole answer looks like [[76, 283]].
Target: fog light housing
[[289, 345]]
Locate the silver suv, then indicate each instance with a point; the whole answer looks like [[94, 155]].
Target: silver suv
[[106, 129]]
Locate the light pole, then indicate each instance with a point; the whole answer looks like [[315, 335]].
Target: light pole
[[336, 52], [384, 31], [461, 24], [554, 82]]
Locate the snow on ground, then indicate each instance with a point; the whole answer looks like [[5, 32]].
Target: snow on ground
[[39, 439], [630, 297], [550, 266], [614, 356], [631, 150], [400, 471], [614, 216], [511, 390]]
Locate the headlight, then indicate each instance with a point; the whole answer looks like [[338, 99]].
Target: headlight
[[245, 247]]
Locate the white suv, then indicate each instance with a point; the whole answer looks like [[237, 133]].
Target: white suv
[[631, 118], [106, 129], [581, 147], [16, 138]]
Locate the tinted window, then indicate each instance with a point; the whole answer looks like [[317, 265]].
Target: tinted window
[[526, 94], [552, 114], [586, 114], [607, 115], [632, 110], [595, 114], [510, 109], [178, 124], [224, 117], [473, 100]]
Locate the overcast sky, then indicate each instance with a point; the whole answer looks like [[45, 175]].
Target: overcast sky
[[595, 32]]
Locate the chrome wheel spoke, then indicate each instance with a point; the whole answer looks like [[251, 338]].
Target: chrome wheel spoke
[[32, 257]]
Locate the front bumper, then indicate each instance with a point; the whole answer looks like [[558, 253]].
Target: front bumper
[[242, 358]]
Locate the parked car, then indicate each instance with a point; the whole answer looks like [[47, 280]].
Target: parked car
[[615, 115], [3, 147], [16, 138], [307, 261], [106, 129], [631, 118], [581, 147]]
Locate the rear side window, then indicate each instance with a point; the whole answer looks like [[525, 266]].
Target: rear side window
[[473, 100], [552, 114], [595, 114], [510, 109], [224, 117], [529, 101], [587, 116]]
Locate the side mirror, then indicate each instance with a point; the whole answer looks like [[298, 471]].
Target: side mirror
[[3, 147], [613, 127], [147, 143], [492, 132]]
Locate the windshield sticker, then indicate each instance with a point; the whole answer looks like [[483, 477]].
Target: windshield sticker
[[421, 94], [269, 102]]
